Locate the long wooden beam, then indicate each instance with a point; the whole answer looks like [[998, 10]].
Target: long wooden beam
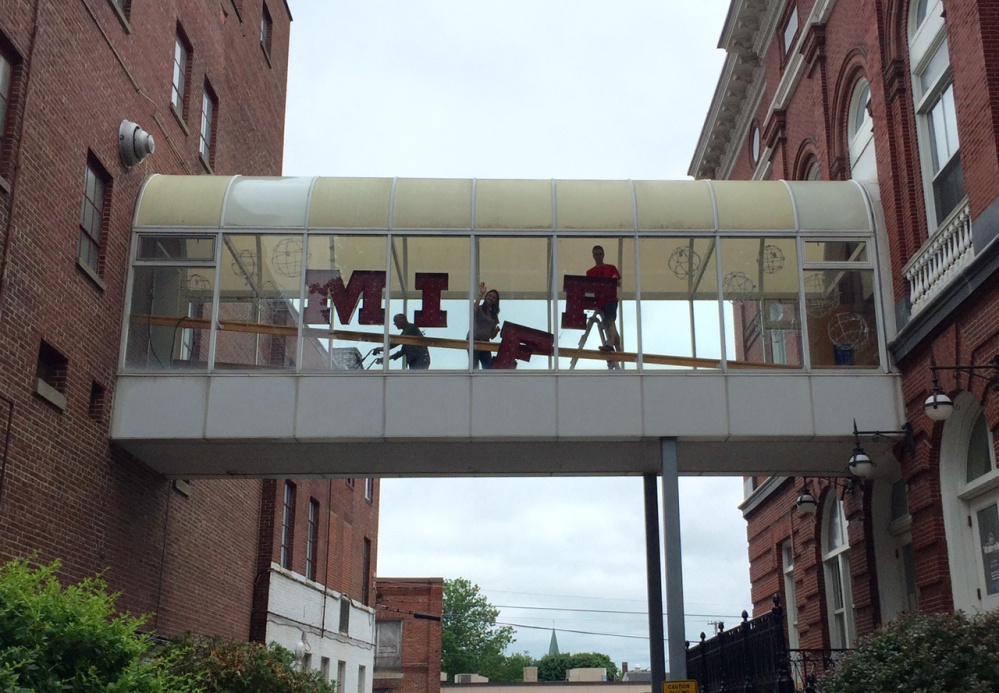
[[443, 343]]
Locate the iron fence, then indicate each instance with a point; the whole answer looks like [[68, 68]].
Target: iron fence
[[754, 658]]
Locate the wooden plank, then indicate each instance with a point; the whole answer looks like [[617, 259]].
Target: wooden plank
[[442, 343]]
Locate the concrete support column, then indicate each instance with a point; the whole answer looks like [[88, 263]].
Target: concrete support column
[[675, 634], [657, 644]]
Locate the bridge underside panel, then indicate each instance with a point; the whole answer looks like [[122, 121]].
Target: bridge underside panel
[[441, 425]]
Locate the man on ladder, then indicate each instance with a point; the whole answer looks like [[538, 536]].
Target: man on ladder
[[607, 304]]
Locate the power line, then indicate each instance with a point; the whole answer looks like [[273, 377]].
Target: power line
[[607, 611], [581, 632]]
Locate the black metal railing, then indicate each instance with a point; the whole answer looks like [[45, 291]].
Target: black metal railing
[[808, 666], [751, 658]]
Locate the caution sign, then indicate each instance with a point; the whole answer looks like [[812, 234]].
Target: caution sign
[[687, 686]]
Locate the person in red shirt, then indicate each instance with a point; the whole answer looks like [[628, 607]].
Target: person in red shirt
[[607, 305]]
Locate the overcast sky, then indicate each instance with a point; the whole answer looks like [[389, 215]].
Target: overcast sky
[[578, 89]]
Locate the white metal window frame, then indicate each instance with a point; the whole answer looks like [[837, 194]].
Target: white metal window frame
[[926, 39], [836, 568]]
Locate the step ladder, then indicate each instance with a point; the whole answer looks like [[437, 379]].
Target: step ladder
[[595, 319]]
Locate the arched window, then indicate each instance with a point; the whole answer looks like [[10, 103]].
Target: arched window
[[969, 482], [836, 567], [813, 172], [860, 131], [936, 119], [754, 144]]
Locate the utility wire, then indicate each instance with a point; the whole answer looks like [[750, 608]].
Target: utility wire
[[607, 611], [581, 632]]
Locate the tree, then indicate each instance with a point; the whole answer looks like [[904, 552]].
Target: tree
[[55, 639], [510, 669], [553, 667], [923, 653], [470, 640]]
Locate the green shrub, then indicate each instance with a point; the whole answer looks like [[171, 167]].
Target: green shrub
[[58, 639], [923, 653], [219, 666]]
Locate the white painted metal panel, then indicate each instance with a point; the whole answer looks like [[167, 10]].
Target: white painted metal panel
[[513, 406], [419, 405], [769, 405], [251, 407], [160, 407], [875, 402], [598, 406], [691, 404], [339, 407]]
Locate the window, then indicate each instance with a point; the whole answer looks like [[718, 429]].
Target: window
[[969, 482], [6, 89], [312, 545], [388, 646], [341, 675], [307, 661], [366, 571], [287, 525], [95, 410], [754, 144], [936, 119], [860, 131], [790, 30], [206, 142], [124, 8], [790, 596], [324, 668], [362, 679], [96, 187], [836, 566], [344, 616], [266, 30], [181, 75], [51, 375], [369, 489]]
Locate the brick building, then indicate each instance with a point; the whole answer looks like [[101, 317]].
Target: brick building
[[208, 82], [902, 95], [408, 643]]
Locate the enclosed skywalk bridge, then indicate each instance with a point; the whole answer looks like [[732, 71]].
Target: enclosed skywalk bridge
[[752, 317]]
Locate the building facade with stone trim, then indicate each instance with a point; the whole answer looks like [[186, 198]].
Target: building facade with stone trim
[[903, 95]]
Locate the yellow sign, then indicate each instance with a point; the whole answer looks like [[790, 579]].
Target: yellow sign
[[680, 686]]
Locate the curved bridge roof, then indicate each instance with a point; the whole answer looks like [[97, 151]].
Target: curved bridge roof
[[500, 205]]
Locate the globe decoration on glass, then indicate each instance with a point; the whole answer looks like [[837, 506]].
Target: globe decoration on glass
[[738, 286], [197, 284], [287, 257], [848, 332], [819, 301], [245, 265], [771, 259], [684, 262]]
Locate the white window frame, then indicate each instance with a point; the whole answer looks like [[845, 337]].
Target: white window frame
[[178, 86], [924, 42], [962, 500], [860, 130], [790, 595], [836, 560]]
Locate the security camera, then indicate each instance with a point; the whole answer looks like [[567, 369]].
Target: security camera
[[134, 143]]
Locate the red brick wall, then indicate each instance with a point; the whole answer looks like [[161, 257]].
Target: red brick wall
[[65, 492], [868, 38], [399, 599]]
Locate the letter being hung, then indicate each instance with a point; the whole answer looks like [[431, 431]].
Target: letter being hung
[[324, 285]]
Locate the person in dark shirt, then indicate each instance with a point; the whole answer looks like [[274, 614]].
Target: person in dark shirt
[[416, 356], [607, 305]]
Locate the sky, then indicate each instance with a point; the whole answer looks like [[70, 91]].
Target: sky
[[568, 89]]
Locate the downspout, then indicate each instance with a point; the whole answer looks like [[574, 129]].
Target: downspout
[[326, 566]]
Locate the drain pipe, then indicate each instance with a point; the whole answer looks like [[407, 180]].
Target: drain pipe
[[6, 448]]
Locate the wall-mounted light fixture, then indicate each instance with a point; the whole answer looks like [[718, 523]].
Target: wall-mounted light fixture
[[939, 406], [861, 465], [807, 504]]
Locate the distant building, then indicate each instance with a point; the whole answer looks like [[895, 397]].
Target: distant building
[[408, 635]]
